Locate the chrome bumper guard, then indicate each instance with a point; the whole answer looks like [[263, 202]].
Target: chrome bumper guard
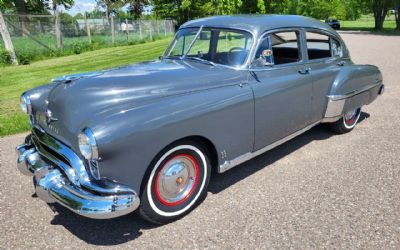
[[81, 195]]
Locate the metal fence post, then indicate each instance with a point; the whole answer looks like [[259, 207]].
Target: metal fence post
[[87, 28], [58, 30], [112, 30], [7, 40]]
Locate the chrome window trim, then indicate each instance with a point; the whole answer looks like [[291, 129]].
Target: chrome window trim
[[330, 35], [262, 36]]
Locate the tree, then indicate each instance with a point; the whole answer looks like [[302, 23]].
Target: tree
[[110, 5], [136, 7], [182, 10], [380, 9], [226, 7]]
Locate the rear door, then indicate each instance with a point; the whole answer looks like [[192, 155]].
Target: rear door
[[324, 54]]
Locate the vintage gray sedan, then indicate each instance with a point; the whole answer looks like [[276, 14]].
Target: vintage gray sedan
[[147, 137]]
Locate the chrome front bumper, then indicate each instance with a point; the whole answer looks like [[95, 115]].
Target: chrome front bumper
[[81, 195]]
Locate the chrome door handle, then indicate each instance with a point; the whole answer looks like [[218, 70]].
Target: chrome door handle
[[305, 71], [342, 63]]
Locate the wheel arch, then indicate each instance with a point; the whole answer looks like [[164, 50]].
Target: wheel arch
[[207, 144]]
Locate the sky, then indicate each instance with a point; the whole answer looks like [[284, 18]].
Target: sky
[[81, 6]]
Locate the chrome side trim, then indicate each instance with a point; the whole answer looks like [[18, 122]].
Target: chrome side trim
[[250, 155], [334, 108], [354, 92]]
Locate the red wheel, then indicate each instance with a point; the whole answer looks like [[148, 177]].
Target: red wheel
[[176, 180], [347, 122], [350, 119], [176, 184]]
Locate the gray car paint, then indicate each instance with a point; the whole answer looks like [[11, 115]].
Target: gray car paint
[[137, 110]]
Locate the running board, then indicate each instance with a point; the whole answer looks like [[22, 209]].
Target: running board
[[250, 155]]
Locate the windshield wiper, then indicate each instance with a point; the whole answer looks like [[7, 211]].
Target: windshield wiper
[[199, 60]]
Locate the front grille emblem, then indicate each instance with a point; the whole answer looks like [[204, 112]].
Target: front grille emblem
[[49, 117]]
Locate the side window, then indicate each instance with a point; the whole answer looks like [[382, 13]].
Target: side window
[[322, 46], [284, 47]]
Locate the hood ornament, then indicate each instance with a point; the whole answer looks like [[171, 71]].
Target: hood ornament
[[74, 77], [49, 117]]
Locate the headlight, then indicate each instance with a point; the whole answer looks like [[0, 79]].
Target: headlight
[[88, 145], [25, 103]]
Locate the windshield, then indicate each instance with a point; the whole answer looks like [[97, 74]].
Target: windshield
[[221, 46]]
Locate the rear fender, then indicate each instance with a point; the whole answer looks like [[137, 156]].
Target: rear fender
[[354, 86]]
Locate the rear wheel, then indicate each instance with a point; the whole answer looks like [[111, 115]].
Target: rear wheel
[[347, 122], [176, 184]]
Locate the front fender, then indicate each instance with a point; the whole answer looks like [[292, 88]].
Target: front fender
[[130, 139]]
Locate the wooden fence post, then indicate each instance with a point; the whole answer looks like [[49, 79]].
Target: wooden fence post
[[58, 30], [127, 29], [87, 28], [151, 30], [7, 40], [112, 30], [140, 30], [165, 27]]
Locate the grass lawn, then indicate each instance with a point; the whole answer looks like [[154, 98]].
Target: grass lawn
[[28, 50], [366, 23], [16, 79]]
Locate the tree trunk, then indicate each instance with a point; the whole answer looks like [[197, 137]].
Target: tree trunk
[[380, 15], [58, 29], [22, 11], [7, 40], [397, 14]]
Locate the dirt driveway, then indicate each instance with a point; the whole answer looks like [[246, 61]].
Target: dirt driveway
[[318, 190]]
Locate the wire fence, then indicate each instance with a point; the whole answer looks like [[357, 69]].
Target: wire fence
[[40, 36]]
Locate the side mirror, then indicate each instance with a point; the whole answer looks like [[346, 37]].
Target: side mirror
[[266, 59]]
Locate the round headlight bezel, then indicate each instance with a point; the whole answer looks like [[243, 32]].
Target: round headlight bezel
[[88, 145], [25, 104]]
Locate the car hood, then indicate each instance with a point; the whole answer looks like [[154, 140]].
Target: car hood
[[77, 100]]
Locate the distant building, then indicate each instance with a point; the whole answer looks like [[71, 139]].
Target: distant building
[[94, 24]]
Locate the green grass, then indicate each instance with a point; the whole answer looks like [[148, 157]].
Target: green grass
[[16, 79], [29, 50], [366, 23]]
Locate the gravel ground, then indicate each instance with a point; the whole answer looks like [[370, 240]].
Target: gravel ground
[[317, 191]]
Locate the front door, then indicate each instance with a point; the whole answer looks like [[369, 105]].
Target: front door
[[282, 87]]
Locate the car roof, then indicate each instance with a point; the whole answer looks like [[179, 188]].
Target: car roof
[[258, 24]]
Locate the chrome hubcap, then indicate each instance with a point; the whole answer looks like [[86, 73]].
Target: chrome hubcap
[[351, 117], [176, 180]]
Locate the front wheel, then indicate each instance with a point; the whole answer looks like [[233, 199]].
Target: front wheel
[[176, 184], [347, 122]]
